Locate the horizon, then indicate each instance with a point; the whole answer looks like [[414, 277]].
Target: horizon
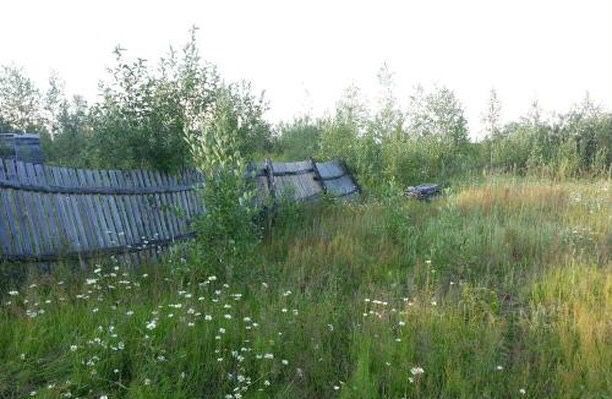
[[303, 69]]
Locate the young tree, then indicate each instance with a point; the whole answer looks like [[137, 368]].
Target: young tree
[[491, 119], [20, 101], [389, 119], [438, 115]]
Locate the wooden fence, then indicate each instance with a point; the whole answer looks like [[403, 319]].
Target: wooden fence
[[48, 213]]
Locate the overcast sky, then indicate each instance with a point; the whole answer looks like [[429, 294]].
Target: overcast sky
[[303, 54]]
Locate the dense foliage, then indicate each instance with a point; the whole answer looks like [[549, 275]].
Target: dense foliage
[[141, 117]]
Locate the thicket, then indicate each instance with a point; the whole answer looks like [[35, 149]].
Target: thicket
[[144, 111], [139, 121], [430, 141]]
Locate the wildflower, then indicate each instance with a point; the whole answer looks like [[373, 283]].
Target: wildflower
[[227, 316], [284, 310], [90, 281], [500, 368], [73, 348], [208, 317], [434, 303], [147, 381], [402, 323], [268, 356], [103, 397], [336, 387], [151, 324], [267, 383], [13, 293], [129, 312], [417, 371], [222, 330], [285, 362], [33, 393], [522, 391]]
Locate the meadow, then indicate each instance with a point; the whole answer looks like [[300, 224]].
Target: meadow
[[502, 288]]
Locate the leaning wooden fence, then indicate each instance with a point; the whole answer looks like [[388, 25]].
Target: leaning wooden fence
[[48, 213]]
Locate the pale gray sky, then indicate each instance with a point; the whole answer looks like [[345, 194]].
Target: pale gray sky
[[552, 50]]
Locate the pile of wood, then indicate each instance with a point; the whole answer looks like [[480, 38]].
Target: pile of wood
[[423, 191]]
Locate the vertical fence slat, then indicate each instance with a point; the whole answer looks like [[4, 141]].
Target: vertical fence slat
[[98, 212], [63, 239], [41, 222], [76, 208], [138, 209], [9, 243], [168, 206], [87, 205], [49, 210], [64, 213], [124, 204], [164, 233], [134, 208], [152, 207], [26, 207], [113, 202], [110, 212]]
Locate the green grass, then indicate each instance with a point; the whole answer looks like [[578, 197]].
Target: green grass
[[502, 289]]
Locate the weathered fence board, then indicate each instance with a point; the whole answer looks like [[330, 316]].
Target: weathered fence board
[[49, 212]]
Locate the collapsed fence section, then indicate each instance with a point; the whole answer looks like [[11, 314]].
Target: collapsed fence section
[[48, 213]]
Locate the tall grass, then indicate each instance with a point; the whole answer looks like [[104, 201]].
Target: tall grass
[[500, 289]]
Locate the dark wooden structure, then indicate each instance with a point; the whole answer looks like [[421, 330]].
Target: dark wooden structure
[[25, 147]]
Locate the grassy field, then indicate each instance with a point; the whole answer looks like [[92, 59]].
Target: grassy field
[[501, 289]]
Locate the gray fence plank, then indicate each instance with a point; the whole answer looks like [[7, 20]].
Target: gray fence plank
[[74, 210], [124, 204], [64, 214], [42, 223], [93, 236], [164, 232], [26, 207], [117, 216]]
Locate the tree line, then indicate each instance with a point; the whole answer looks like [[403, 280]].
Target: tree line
[[147, 114]]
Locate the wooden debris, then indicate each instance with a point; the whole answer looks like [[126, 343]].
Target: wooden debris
[[423, 191]]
